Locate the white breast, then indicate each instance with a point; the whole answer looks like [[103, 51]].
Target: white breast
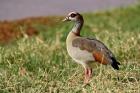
[[80, 56]]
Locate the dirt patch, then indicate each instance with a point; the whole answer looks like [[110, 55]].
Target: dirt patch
[[11, 30]]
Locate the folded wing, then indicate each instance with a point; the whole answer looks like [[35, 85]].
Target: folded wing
[[99, 51]]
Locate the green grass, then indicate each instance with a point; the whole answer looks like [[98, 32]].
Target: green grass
[[29, 65]]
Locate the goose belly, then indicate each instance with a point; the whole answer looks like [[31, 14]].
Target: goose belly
[[80, 56]]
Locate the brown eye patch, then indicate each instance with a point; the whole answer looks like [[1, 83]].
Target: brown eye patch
[[73, 15]]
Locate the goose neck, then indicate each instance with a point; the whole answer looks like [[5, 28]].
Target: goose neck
[[77, 27]]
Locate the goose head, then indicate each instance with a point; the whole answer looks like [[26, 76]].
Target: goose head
[[73, 16]]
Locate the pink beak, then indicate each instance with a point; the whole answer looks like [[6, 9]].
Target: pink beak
[[66, 19]]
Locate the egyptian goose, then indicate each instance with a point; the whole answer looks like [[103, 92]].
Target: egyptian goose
[[84, 50]]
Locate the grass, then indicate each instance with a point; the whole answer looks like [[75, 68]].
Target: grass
[[40, 64]]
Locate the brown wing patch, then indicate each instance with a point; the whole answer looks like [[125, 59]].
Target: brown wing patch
[[99, 57], [84, 44], [100, 52]]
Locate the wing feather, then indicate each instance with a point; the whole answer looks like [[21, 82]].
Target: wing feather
[[100, 52]]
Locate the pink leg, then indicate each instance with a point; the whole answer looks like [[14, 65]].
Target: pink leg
[[88, 74]]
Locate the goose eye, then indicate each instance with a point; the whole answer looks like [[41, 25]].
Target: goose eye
[[73, 15]]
